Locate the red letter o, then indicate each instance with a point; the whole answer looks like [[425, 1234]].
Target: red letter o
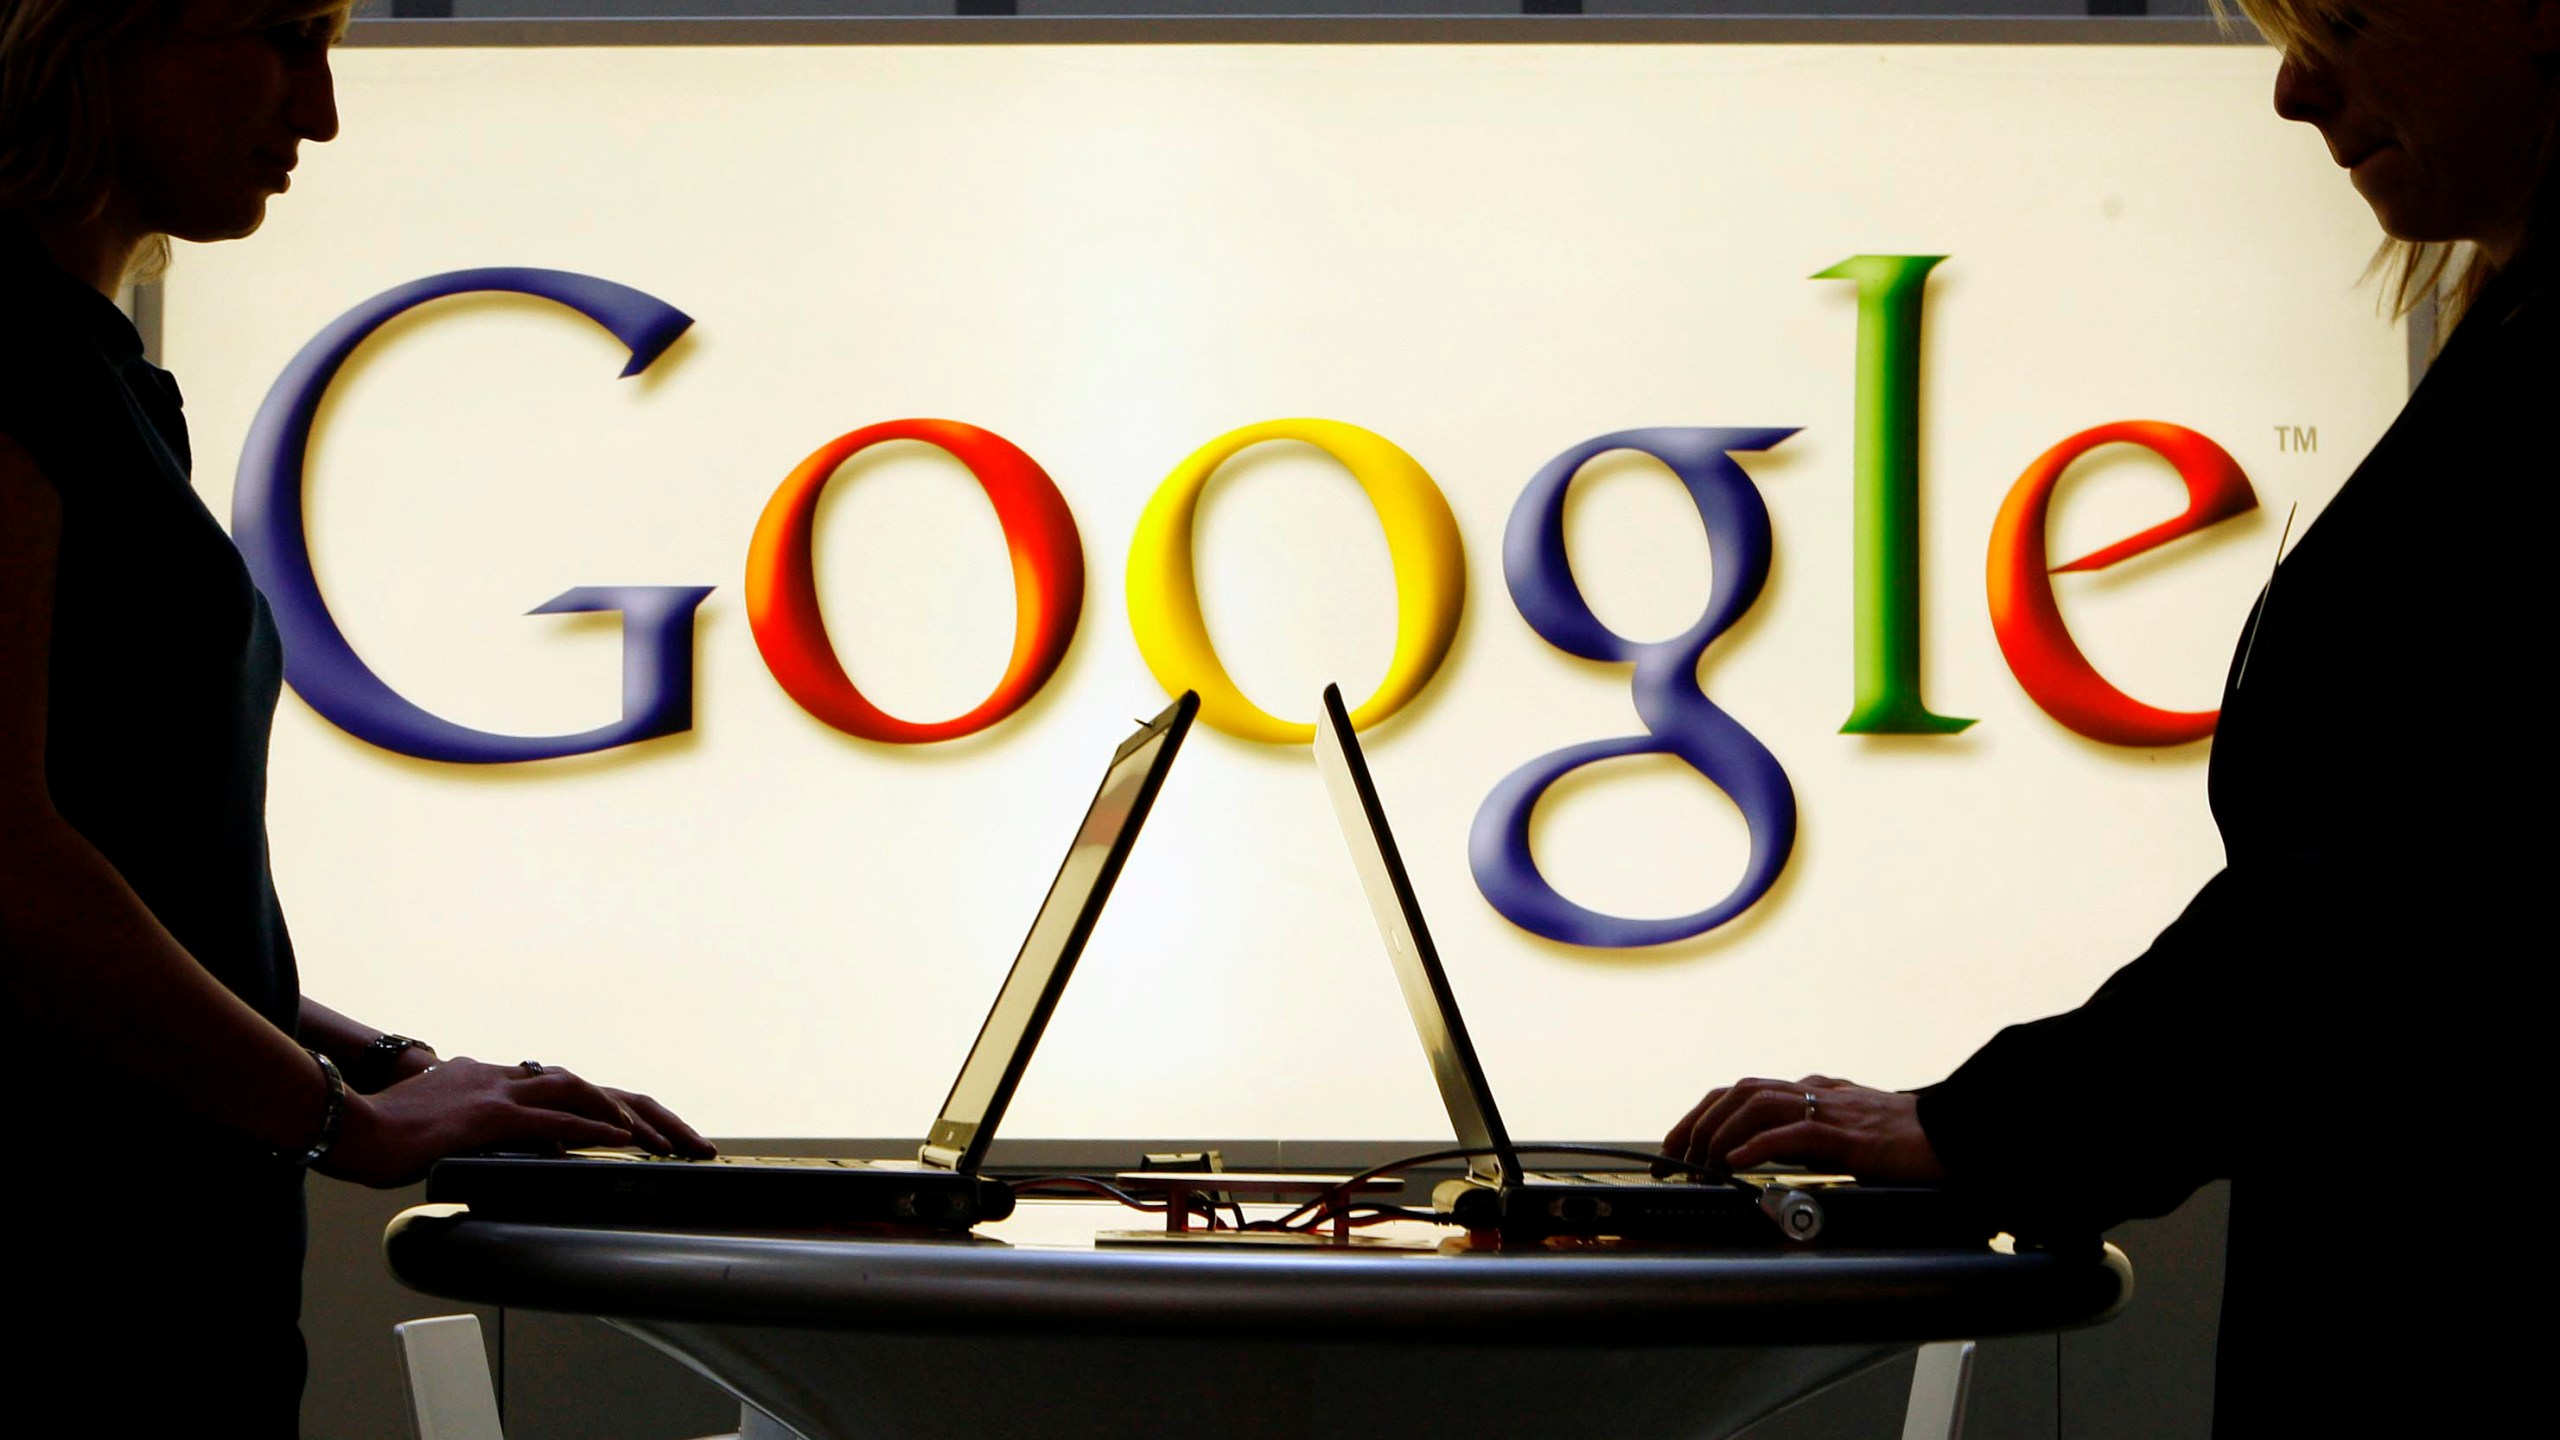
[[1048, 581]]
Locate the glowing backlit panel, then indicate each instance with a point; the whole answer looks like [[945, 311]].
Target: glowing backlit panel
[[1111, 257]]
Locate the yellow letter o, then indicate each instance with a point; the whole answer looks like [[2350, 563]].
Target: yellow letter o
[[1422, 543]]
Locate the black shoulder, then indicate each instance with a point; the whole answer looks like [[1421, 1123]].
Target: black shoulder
[[48, 376]]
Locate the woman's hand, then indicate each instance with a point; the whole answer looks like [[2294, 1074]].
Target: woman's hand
[[1818, 1121], [658, 1129], [389, 1139]]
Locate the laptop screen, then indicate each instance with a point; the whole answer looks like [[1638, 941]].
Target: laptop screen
[[1418, 973], [995, 1064]]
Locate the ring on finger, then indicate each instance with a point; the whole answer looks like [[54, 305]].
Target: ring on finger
[[532, 1067], [1811, 1107]]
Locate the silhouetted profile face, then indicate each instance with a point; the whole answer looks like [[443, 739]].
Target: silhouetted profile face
[[211, 113], [2436, 108]]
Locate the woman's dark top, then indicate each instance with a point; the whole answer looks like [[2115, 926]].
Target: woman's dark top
[[2336, 1024], [183, 1241]]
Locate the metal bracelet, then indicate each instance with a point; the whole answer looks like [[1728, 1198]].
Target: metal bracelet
[[333, 1119]]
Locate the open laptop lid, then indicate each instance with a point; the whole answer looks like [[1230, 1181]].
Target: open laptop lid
[[1418, 973], [961, 1134]]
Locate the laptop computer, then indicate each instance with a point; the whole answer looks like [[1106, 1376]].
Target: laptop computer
[[941, 1188], [1498, 1193]]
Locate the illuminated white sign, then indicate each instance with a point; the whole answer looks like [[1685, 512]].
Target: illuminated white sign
[[1866, 289]]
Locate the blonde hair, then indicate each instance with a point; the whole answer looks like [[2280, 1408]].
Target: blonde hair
[[57, 125], [2453, 273]]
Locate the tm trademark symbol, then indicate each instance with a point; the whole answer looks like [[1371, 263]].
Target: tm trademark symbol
[[2297, 439]]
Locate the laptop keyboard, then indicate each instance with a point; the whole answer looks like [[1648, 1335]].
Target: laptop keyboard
[[759, 1162]]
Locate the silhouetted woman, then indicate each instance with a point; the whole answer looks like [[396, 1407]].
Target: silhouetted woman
[[168, 1084], [2338, 1023]]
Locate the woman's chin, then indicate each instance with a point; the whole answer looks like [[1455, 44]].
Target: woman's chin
[[213, 224], [2405, 211]]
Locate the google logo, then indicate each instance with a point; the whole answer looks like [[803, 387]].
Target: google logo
[[1427, 553]]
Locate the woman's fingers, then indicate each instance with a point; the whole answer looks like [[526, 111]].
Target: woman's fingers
[[1765, 1107], [1821, 1121], [648, 1136], [1702, 1136], [1692, 1138], [532, 1088], [682, 1139], [1803, 1142], [557, 1089], [461, 1106], [643, 1120], [1873, 1134], [1679, 1141], [558, 1127], [1715, 1130]]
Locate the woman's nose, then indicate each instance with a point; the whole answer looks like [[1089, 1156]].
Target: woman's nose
[[314, 105], [2305, 90]]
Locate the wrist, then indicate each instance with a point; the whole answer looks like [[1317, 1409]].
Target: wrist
[[359, 1140], [334, 1099]]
